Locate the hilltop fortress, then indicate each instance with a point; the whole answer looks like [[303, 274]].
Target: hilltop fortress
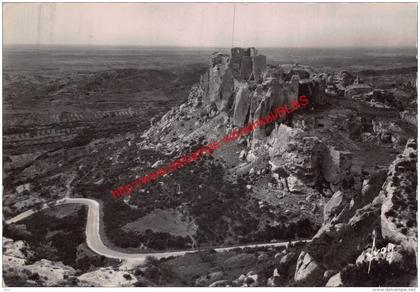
[[245, 84], [242, 82], [338, 169]]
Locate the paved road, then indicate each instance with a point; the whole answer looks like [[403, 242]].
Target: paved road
[[94, 241], [21, 216], [25, 214]]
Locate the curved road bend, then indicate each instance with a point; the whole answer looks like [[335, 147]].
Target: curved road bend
[[94, 241]]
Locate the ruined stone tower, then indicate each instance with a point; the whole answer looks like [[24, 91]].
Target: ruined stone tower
[[247, 64]]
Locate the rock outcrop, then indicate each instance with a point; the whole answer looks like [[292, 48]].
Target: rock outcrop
[[389, 209], [335, 281], [335, 205], [304, 157], [308, 271], [218, 82], [16, 263], [399, 210], [242, 105], [336, 165], [107, 277]]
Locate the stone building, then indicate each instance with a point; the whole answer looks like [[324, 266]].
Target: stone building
[[247, 64]]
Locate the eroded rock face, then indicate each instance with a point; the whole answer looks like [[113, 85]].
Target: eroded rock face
[[301, 156], [369, 189], [336, 165], [242, 104], [260, 133], [308, 271], [218, 82], [256, 98], [398, 213], [336, 244], [389, 207]]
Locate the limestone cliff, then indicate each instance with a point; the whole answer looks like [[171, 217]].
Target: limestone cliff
[[325, 153]]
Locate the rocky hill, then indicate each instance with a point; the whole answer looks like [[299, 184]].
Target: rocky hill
[[338, 152], [339, 171]]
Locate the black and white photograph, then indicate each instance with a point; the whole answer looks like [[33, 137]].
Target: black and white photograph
[[210, 144]]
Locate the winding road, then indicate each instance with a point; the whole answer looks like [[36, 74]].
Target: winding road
[[95, 243]]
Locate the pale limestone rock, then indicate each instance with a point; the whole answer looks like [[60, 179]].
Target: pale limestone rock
[[300, 155], [242, 103], [334, 205], [335, 281], [242, 155], [308, 272], [399, 210], [256, 98], [295, 184], [51, 273], [107, 277], [218, 82], [335, 165]]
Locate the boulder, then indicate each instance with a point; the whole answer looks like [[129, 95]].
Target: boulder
[[251, 279], [286, 262], [208, 279], [275, 280], [288, 258], [335, 281], [308, 271], [239, 281], [336, 244], [334, 205], [295, 184]]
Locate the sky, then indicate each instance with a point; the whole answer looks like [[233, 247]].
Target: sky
[[212, 24]]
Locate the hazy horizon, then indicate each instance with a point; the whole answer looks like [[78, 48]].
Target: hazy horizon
[[203, 47], [212, 25]]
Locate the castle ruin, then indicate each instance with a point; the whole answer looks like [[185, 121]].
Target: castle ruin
[[247, 64]]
